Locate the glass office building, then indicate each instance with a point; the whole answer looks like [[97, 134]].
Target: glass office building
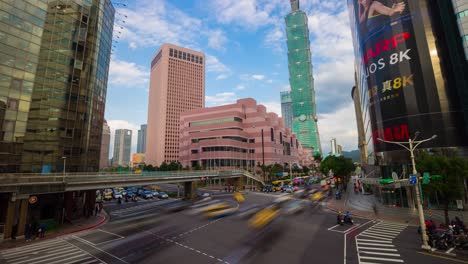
[[53, 80], [304, 120], [410, 76], [286, 109]]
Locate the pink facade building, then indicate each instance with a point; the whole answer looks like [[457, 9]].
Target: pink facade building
[[177, 84], [239, 135]]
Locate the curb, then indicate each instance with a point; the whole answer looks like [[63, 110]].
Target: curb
[[103, 220]]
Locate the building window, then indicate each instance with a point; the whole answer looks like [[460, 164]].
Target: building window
[[281, 137], [272, 133]]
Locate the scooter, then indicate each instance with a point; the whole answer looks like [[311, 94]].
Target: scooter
[[340, 220], [348, 220]]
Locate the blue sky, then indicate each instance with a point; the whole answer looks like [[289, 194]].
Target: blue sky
[[245, 47]]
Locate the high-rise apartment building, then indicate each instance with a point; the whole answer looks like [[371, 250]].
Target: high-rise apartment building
[[122, 147], [304, 121], [461, 12], [53, 82], [177, 84], [333, 147], [286, 108], [141, 140], [105, 144]]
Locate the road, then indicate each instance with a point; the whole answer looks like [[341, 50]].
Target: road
[[142, 232]]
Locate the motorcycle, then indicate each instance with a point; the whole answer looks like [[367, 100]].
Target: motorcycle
[[339, 220], [348, 220]]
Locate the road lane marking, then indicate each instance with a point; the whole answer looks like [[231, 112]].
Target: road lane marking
[[373, 240], [381, 238], [375, 244], [110, 233], [378, 234], [379, 249], [380, 253], [383, 259]]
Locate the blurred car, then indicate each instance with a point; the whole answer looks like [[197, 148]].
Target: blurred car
[[267, 188], [287, 189], [300, 194], [249, 211], [295, 188], [130, 194], [294, 207], [318, 196], [205, 195], [239, 197], [117, 195], [147, 195], [176, 207], [155, 193], [220, 211], [163, 195], [107, 196], [264, 217]]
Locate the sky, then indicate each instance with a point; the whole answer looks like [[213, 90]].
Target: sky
[[246, 56]]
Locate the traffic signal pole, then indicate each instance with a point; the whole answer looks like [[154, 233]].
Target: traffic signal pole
[[412, 145]]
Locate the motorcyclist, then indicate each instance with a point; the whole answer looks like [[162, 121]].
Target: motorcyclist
[[339, 218], [348, 218]]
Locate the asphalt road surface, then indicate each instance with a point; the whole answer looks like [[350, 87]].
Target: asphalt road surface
[[143, 232]]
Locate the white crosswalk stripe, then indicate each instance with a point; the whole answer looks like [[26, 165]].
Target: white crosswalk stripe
[[138, 208], [374, 245], [54, 251]]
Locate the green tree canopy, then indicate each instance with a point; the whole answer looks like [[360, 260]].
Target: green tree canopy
[[449, 187], [341, 166]]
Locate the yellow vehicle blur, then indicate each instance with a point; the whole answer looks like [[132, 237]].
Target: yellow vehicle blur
[[239, 197], [107, 195], [317, 196], [220, 212], [215, 207], [265, 216]]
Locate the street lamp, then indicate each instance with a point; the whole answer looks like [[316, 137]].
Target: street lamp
[[412, 145], [64, 164]]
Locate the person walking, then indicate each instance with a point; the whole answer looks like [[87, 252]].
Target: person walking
[[101, 205], [27, 232], [96, 210]]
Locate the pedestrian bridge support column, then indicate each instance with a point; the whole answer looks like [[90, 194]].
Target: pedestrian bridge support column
[[16, 216], [190, 190]]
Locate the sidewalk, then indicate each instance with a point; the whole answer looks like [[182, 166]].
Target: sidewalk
[[362, 206], [78, 225]]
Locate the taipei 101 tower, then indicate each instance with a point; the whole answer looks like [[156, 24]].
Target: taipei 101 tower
[[304, 123]]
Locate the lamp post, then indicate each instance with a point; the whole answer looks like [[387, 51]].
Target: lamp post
[[64, 164], [412, 145]]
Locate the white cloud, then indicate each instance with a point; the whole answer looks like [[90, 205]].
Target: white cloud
[[285, 87], [341, 125], [273, 106], [269, 81], [153, 23], [132, 45], [221, 99], [214, 65], [245, 13], [216, 39], [258, 76], [240, 87], [127, 73], [122, 124]]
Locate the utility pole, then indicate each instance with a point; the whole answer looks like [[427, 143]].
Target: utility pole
[[412, 145]]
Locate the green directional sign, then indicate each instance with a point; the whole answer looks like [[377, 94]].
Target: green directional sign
[[436, 177], [386, 181], [426, 178]]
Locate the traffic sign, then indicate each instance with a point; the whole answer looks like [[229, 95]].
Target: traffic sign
[[386, 181], [412, 179], [426, 178]]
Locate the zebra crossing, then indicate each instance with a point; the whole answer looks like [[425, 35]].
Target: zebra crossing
[[375, 244], [54, 251]]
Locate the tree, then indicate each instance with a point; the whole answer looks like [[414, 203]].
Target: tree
[[318, 157], [342, 167], [164, 166], [306, 170], [275, 169], [449, 187]]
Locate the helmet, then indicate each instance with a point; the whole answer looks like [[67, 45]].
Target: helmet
[[450, 227]]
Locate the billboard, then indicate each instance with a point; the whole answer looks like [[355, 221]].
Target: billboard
[[397, 59]]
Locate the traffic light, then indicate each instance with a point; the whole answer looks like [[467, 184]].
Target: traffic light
[[386, 181], [426, 178]]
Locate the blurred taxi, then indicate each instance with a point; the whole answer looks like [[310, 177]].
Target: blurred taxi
[[264, 217], [239, 197], [318, 196]]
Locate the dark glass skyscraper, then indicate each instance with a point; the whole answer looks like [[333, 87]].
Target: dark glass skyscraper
[[286, 108], [304, 120], [53, 83], [141, 143]]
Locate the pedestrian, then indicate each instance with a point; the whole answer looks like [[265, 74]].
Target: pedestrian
[[34, 228], [101, 205], [27, 232], [96, 210], [43, 230], [90, 211]]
